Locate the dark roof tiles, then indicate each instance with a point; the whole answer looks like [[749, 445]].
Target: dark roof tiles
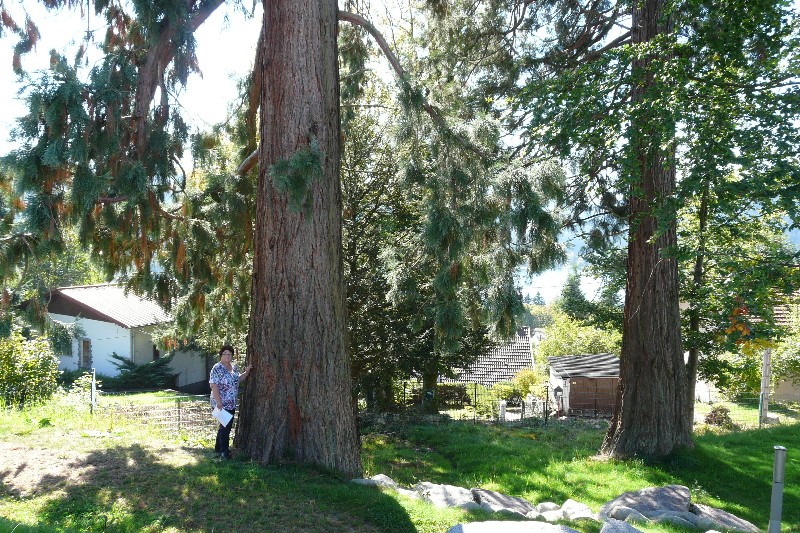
[[604, 365], [501, 364]]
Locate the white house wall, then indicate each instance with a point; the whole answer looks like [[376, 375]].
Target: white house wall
[[107, 338], [786, 391], [190, 367], [142, 346]]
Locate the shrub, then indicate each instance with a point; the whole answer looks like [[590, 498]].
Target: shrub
[[482, 401], [28, 369], [534, 382], [567, 336], [79, 389], [452, 394], [154, 375], [509, 392], [720, 416]]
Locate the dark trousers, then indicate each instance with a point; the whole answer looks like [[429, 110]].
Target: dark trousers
[[223, 444]]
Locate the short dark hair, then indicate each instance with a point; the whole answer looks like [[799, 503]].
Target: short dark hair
[[226, 347]]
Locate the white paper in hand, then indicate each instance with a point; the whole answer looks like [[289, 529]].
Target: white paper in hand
[[222, 415]]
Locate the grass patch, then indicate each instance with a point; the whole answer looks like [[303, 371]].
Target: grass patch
[[744, 413], [66, 470]]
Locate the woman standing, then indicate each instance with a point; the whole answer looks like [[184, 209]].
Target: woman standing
[[224, 382]]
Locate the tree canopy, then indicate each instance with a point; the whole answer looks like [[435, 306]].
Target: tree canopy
[[518, 119]]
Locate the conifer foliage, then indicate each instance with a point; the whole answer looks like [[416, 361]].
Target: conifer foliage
[[646, 104]]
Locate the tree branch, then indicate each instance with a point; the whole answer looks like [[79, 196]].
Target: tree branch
[[432, 111], [158, 58], [248, 163]]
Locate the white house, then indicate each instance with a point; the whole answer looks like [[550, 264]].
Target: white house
[[115, 322]]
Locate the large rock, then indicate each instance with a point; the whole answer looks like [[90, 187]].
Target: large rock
[[553, 516], [618, 526], [574, 510], [547, 506], [495, 501], [620, 512], [446, 495], [651, 501], [722, 518], [414, 495], [380, 480], [676, 519], [509, 527]]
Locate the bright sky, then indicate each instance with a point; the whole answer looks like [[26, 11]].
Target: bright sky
[[225, 50]]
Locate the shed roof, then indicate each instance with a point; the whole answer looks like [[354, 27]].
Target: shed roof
[[604, 365], [502, 363], [109, 303], [785, 313]]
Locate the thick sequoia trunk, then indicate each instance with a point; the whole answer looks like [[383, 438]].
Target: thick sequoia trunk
[[651, 417], [297, 405], [430, 401]]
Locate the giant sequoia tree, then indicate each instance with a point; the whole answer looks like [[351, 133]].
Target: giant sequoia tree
[[103, 154], [644, 102]]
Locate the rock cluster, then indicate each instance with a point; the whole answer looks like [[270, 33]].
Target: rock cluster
[[671, 504]]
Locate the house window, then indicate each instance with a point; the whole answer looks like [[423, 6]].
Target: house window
[[156, 353]]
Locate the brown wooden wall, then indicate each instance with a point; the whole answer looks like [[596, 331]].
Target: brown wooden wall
[[592, 396]]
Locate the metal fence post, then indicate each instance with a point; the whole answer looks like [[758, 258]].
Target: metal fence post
[[776, 504], [93, 392], [475, 403], [546, 403]]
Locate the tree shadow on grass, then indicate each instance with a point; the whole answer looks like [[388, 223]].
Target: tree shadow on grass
[[559, 462], [736, 468], [133, 488]]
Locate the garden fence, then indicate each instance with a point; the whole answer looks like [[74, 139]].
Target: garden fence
[[472, 402], [174, 414], [189, 414]]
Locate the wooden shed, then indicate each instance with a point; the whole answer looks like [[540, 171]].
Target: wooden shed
[[584, 385]]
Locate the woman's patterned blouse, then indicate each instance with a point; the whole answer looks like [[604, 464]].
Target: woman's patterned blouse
[[228, 385]]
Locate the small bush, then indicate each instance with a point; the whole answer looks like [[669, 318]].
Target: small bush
[[509, 392], [452, 395], [534, 382], [154, 375], [720, 416], [28, 369], [482, 401], [79, 392]]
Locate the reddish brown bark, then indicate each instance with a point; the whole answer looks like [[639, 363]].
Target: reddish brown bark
[[651, 417], [298, 405]]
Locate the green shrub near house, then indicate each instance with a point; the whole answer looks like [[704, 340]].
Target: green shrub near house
[[28, 369], [152, 375]]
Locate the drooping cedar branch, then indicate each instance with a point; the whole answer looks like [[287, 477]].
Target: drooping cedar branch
[[248, 163], [254, 94], [430, 109], [158, 58], [358, 20], [253, 102]]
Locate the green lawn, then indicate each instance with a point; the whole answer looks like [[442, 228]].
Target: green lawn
[[745, 414], [65, 470]]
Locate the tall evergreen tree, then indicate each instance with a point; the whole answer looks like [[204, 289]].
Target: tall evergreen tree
[[572, 301], [538, 299], [104, 155], [627, 93]]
